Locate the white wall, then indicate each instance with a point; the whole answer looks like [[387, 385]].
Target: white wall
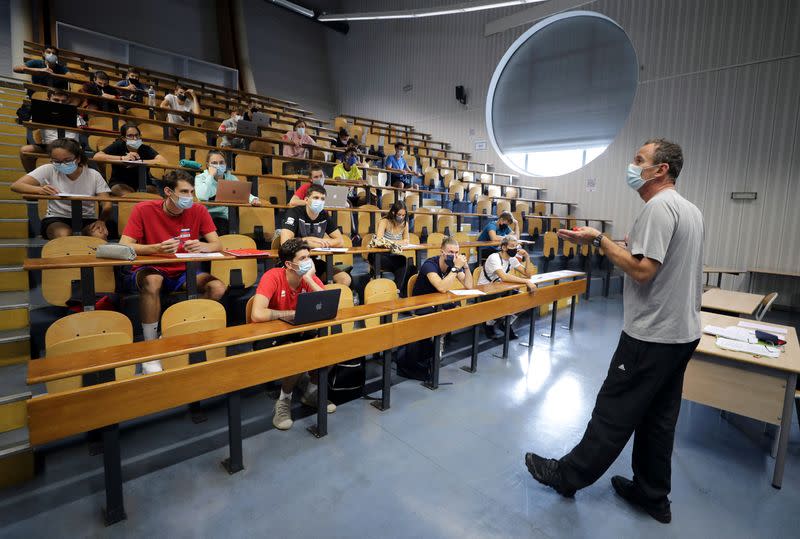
[[719, 77]]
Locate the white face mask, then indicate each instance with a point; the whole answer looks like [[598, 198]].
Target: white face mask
[[51, 58], [301, 131]]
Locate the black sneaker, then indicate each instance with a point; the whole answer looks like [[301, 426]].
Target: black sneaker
[[546, 471], [628, 491], [511, 333], [491, 332]]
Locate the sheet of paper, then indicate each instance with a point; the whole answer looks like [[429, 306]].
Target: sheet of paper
[[70, 195], [553, 275], [199, 255], [467, 292], [763, 327], [411, 246], [732, 332], [747, 348], [329, 249]]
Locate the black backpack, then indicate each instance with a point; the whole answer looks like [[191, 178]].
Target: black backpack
[[415, 360], [346, 381]]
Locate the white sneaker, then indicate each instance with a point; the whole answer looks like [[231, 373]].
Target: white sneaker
[[282, 419], [150, 367], [310, 398]]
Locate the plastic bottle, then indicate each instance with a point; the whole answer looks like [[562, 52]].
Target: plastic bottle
[[151, 96]]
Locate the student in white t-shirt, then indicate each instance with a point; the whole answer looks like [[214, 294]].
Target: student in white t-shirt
[[68, 172], [498, 268], [181, 100]]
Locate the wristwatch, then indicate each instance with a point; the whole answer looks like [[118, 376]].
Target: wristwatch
[[597, 240], [456, 270]]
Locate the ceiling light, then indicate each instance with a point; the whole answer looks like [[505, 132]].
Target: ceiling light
[[420, 13], [294, 7]]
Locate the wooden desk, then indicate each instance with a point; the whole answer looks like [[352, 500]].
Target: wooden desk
[[757, 387], [729, 301], [108, 403], [708, 270]]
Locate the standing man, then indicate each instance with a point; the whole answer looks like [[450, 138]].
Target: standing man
[[642, 391]]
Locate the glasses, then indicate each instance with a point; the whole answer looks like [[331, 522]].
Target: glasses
[[216, 163], [65, 162]]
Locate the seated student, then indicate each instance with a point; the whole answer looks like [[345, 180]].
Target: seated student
[[129, 148], [348, 170], [498, 268], [228, 126], [341, 143], [131, 89], [250, 110], [313, 224], [68, 172], [503, 226], [48, 135], [205, 188], [182, 99], [294, 148], [440, 273], [276, 297], [41, 70], [402, 174], [100, 86], [172, 225], [394, 227], [316, 177]]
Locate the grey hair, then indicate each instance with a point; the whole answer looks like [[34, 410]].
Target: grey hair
[[667, 152], [508, 239]]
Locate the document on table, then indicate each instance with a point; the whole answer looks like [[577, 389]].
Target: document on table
[[199, 255], [462, 292], [329, 249], [70, 195], [411, 246], [763, 327], [747, 348], [733, 333]]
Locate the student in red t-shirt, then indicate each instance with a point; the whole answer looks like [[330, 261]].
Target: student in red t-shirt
[[316, 177], [276, 297], [171, 225]]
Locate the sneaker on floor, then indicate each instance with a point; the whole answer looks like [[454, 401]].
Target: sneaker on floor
[[282, 419], [546, 471], [302, 383], [491, 331], [310, 399], [628, 492], [150, 367]]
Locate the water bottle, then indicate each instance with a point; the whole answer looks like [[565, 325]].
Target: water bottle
[[151, 96]]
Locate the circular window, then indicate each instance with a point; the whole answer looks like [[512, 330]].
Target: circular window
[[561, 93]]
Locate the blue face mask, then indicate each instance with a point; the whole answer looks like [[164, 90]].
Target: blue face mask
[[134, 144], [304, 267], [634, 176], [66, 168], [220, 169], [450, 260], [184, 203], [352, 160], [317, 205]]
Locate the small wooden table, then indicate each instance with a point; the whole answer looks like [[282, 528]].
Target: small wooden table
[[708, 270], [728, 301], [761, 388]]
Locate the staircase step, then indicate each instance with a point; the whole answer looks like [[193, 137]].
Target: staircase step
[[14, 318], [13, 228], [15, 352], [9, 161], [10, 127], [11, 137], [13, 209], [7, 194], [13, 256], [14, 411], [13, 279], [14, 300], [17, 463]]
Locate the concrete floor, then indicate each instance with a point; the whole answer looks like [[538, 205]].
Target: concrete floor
[[445, 463]]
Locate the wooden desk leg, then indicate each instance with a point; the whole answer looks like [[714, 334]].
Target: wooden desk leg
[[87, 288], [234, 461], [554, 308], [531, 328], [719, 280], [321, 428], [473, 364], [786, 428], [112, 472], [377, 265], [76, 217], [459, 221], [433, 383], [571, 314], [142, 177], [233, 219], [191, 279], [329, 268], [750, 283]]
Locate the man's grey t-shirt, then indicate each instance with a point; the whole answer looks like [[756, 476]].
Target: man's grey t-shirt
[[669, 229]]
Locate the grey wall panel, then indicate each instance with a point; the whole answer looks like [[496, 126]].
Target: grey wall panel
[[5, 38], [713, 79]]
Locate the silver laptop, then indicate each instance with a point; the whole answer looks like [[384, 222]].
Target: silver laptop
[[261, 119], [336, 196], [243, 127]]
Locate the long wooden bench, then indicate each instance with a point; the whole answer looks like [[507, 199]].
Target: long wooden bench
[[107, 404]]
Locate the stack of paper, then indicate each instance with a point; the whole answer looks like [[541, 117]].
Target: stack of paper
[[747, 348], [329, 249], [467, 292], [199, 255], [732, 332]]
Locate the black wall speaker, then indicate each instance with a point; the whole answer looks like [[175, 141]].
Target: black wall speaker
[[461, 95]]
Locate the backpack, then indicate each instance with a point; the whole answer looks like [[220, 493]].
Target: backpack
[[346, 380], [415, 360]]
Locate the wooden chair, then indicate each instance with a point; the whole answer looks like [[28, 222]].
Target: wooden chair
[[192, 316], [387, 199], [124, 207], [257, 222], [248, 267], [539, 208], [339, 122], [554, 223], [423, 223], [512, 192], [344, 221], [571, 222], [170, 153], [57, 283], [139, 113], [435, 238], [461, 238], [376, 291], [84, 332], [448, 178], [248, 165], [485, 178], [530, 266], [494, 191], [484, 206], [410, 285], [194, 138], [105, 123], [345, 300], [152, 131], [344, 258], [765, 305], [535, 226], [522, 207], [431, 177], [98, 143], [364, 220], [448, 224], [503, 205], [430, 203], [474, 192], [456, 190], [271, 191], [412, 202], [568, 251], [468, 176], [550, 248]]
